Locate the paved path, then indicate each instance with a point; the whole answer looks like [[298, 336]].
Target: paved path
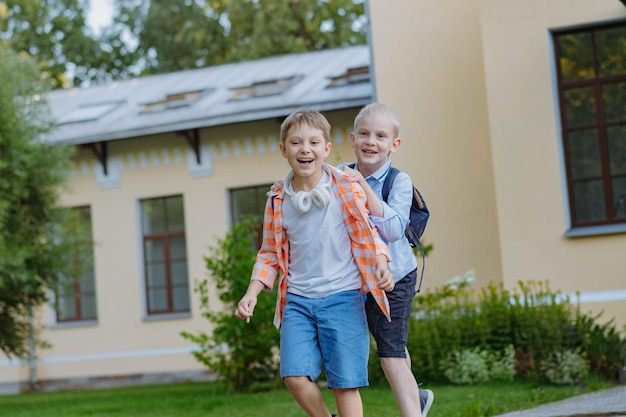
[[612, 401]]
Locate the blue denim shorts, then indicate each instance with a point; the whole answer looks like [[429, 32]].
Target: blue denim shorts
[[391, 336], [329, 332]]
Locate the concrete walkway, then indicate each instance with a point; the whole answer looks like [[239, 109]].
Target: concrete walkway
[[607, 402]]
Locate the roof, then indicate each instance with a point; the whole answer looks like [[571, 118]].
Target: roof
[[232, 93]]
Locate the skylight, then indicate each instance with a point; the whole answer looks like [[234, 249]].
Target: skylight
[[173, 101], [88, 112], [351, 76], [264, 88]]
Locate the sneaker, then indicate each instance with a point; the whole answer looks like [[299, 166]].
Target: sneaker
[[426, 400]]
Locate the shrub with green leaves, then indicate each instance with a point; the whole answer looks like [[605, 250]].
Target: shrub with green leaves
[[565, 368], [467, 366], [532, 318], [245, 355]]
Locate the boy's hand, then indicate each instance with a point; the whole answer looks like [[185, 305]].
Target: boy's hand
[[384, 278], [245, 308], [354, 175], [278, 184]]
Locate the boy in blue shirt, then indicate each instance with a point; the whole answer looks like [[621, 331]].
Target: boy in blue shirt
[[374, 139]]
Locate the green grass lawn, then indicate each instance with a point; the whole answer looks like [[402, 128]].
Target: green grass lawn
[[210, 400]]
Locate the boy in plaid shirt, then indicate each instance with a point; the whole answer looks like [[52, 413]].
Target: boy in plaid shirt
[[317, 236]]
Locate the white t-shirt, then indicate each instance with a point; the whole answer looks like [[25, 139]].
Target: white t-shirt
[[320, 255]]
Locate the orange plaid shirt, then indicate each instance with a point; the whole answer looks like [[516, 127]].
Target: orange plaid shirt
[[273, 257]]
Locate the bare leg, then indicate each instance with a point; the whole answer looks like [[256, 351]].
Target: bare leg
[[403, 384], [307, 395], [349, 402]]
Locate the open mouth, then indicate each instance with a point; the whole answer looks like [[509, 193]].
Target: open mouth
[[305, 161], [369, 152]]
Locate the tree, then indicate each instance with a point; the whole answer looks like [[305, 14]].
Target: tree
[[173, 35], [161, 36], [32, 173], [55, 32]]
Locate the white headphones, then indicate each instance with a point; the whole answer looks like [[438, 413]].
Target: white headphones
[[303, 201]]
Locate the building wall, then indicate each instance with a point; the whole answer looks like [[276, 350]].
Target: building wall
[[429, 69], [124, 342], [473, 82]]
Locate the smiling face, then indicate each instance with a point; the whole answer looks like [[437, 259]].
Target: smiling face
[[374, 139], [306, 150]]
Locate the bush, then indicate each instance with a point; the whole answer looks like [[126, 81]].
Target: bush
[[245, 355], [531, 318], [467, 366], [565, 368]]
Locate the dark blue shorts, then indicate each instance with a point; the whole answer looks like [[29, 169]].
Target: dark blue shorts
[[391, 336]]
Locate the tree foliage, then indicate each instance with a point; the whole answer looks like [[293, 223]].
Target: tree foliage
[[31, 174], [161, 36], [243, 354], [55, 32]]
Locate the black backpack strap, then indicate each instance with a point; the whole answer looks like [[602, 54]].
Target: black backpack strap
[[391, 175]]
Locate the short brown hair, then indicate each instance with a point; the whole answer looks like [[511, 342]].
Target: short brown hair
[[310, 117]]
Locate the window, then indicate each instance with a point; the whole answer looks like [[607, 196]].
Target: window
[[264, 88], [165, 255], [174, 101], [88, 113], [76, 291], [591, 68], [249, 201], [350, 77]]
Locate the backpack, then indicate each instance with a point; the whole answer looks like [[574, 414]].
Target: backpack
[[418, 215]]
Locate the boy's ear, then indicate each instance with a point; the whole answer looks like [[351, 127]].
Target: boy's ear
[[283, 151], [352, 139], [395, 144], [327, 150]]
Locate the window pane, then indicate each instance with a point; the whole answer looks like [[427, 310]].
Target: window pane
[[584, 154], [157, 299], [153, 217], [88, 306], [580, 106], [614, 101], [619, 197], [87, 282], [589, 201], [576, 56], [178, 248], [243, 202], [181, 299], [175, 214], [154, 250], [179, 272], [66, 308], [616, 136], [611, 44], [156, 274]]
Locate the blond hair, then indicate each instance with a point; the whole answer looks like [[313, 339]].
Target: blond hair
[[379, 108], [310, 117]]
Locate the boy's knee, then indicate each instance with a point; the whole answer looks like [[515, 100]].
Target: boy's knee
[[296, 382]]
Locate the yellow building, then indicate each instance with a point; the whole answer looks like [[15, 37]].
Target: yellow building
[[514, 128]]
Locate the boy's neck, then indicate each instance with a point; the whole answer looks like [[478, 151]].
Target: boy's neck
[[366, 171], [308, 183]]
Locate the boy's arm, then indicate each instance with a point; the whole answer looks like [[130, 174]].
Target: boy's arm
[[392, 217], [384, 277], [374, 204], [245, 307]]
